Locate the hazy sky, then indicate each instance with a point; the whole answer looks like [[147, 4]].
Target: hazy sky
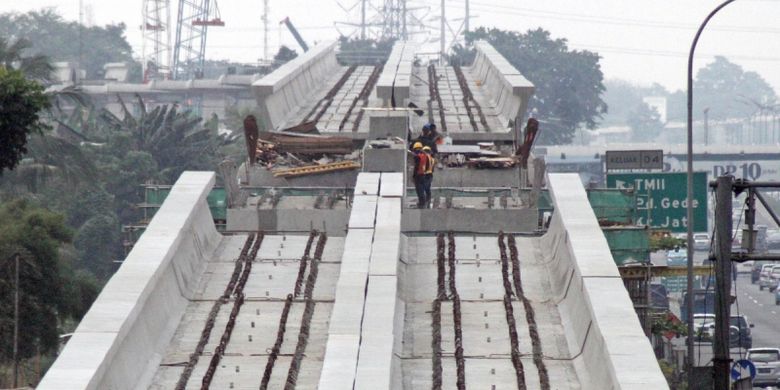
[[643, 41]]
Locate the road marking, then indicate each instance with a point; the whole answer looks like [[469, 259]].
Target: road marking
[[754, 300], [760, 304], [773, 312]]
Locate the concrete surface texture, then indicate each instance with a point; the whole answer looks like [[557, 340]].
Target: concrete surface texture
[[122, 337], [394, 82], [285, 89]]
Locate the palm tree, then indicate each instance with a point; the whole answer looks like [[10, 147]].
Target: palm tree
[[12, 56]]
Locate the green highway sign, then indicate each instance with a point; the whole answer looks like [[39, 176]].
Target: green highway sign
[[662, 200]]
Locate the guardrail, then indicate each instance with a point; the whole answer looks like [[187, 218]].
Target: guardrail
[[507, 87]]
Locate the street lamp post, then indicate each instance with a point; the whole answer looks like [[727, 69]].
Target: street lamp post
[[16, 320], [689, 290]]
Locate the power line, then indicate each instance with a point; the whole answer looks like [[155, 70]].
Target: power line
[[543, 14]]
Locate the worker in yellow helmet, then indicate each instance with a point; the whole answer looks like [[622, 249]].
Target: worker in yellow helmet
[[428, 180], [420, 167]]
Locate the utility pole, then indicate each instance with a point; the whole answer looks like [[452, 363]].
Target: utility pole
[[363, 19], [468, 16], [265, 31], [16, 320], [723, 222], [403, 20], [706, 126], [443, 36]]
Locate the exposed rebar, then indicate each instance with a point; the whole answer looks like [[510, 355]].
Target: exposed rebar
[[238, 294], [308, 313], [460, 361], [530, 317], [269, 365], [441, 294], [302, 264], [433, 91], [326, 101], [510, 315], [211, 319], [468, 100]]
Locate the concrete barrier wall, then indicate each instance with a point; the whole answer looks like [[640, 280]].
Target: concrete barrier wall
[[125, 332], [288, 87], [505, 85], [396, 76], [610, 350], [366, 325]]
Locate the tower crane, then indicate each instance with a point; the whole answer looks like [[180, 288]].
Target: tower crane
[[192, 22]]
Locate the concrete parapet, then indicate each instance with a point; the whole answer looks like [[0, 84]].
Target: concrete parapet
[[471, 220], [385, 124], [250, 219], [392, 159], [286, 88], [125, 332], [602, 330], [395, 81], [509, 89]]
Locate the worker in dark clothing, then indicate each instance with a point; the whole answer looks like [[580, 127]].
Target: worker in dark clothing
[[428, 137], [420, 167], [428, 175]]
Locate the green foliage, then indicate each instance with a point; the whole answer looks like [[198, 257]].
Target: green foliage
[[21, 102], [94, 241], [59, 39], [11, 57], [728, 91], [569, 83], [645, 123], [36, 234]]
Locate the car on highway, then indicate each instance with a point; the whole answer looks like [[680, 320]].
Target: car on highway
[[764, 278], [745, 267], [755, 274], [676, 257], [701, 241], [744, 337], [774, 278], [767, 362], [704, 326], [777, 295]]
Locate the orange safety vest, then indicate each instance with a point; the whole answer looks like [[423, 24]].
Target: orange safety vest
[[422, 161]]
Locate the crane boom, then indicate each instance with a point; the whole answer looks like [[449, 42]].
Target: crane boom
[[295, 34]]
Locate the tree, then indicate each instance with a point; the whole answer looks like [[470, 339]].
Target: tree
[[21, 102], [68, 41], [645, 123], [11, 57], [728, 91], [569, 83], [37, 235]]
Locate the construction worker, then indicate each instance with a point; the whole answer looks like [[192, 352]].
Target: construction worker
[[428, 174], [428, 137], [420, 167]]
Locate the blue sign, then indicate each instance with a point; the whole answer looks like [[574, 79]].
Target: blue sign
[[739, 366]]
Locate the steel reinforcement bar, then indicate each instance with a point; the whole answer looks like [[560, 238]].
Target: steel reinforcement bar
[[510, 315], [308, 313], [433, 91], [468, 100], [238, 294], [274, 354], [460, 361], [364, 94], [211, 319], [441, 294], [530, 317], [328, 99]]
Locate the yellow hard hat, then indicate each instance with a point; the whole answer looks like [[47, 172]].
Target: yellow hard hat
[[427, 148], [417, 145]]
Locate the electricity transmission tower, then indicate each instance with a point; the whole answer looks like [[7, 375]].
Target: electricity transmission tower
[[156, 45], [192, 22]]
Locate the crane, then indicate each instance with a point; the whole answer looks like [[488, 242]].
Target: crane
[[189, 51], [295, 33]]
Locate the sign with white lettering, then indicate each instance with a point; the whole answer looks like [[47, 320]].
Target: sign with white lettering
[[662, 198], [634, 159]]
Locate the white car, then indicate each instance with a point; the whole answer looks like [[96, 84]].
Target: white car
[[764, 278], [701, 241], [704, 326], [767, 362]]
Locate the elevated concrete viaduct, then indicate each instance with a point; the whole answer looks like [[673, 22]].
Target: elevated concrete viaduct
[[338, 281]]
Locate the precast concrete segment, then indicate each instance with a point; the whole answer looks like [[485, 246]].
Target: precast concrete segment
[[596, 312], [510, 316], [508, 88], [206, 333], [123, 334], [282, 91]]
